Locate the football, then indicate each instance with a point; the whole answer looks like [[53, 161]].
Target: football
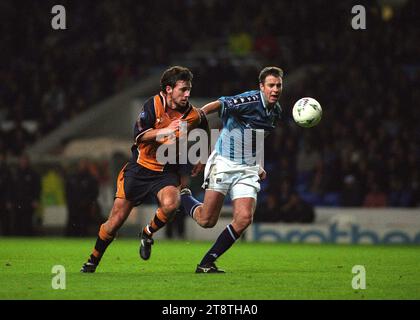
[[307, 112]]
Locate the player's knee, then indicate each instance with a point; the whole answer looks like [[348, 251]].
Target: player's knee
[[206, 219], [169, 206], [207, 223], [243, 222]]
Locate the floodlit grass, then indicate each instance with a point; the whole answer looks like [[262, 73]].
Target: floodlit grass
[[254, 271]]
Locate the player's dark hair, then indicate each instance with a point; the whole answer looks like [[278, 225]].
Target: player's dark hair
[[270, 71], [174, 74]]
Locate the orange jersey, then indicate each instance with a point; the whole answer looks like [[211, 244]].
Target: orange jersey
[[155, 115]]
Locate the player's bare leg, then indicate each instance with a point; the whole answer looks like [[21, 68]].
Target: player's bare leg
[[119, 213], [207, 214], [169, 201], [243, 211]]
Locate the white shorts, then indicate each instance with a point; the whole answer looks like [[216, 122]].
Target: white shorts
[[224, 175]]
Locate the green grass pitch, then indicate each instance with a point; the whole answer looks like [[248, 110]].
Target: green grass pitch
[[254, 271]]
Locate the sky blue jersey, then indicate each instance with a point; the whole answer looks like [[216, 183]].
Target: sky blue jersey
[[246, 121]]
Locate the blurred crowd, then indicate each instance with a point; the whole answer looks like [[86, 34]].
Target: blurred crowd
[[19, 197], [27, 191], [365, 151]]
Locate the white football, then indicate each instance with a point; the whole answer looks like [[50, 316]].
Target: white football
[[307, 112]]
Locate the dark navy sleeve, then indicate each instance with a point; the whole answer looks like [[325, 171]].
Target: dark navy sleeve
[[146, 119], [204, 123]]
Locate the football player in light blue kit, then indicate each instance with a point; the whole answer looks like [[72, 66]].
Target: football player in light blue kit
[[233, 166]]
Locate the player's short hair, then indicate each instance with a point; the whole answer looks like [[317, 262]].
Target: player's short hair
[[174, 74], [270, 71]]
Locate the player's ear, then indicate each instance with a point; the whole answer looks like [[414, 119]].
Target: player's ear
[[168, 89], [261, 86]]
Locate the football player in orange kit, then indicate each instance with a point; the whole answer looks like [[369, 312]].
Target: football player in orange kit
[[144, 175]]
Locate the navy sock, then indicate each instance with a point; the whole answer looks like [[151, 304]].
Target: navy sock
[[189, 203], [102, 242], [225, 240], [100, 247]]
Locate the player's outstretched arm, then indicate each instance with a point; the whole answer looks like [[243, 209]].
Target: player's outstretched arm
[[212, 107], [158, 134]]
